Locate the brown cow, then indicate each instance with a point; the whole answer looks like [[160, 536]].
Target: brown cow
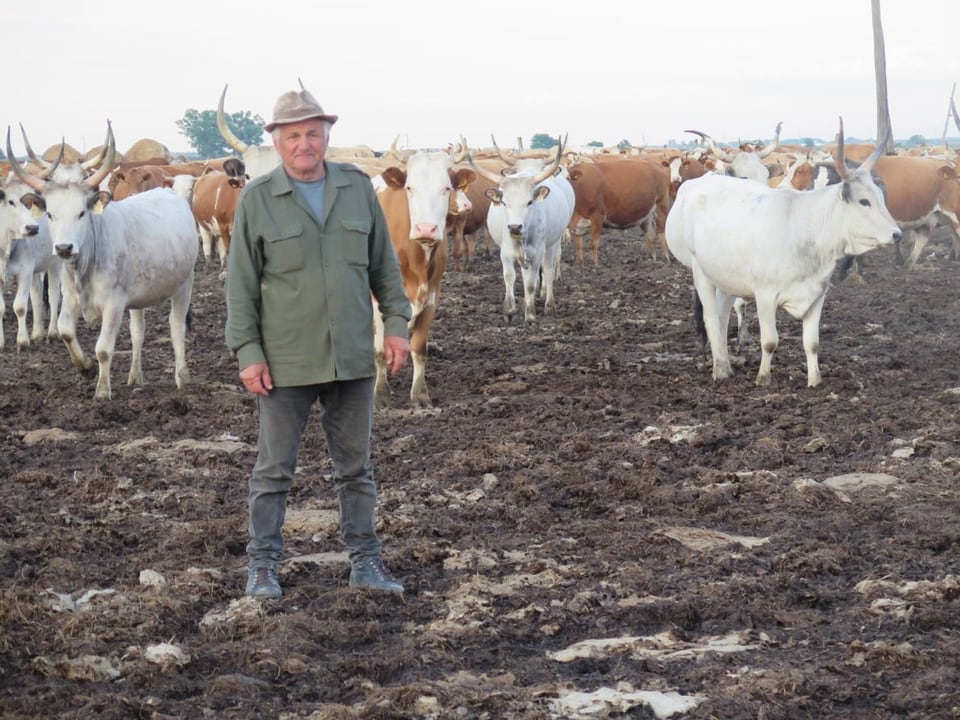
[[620, 192], [467, 227], [919, 191], [214, 202]]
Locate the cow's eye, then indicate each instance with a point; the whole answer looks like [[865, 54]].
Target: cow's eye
[[82, 213], [865, 202]]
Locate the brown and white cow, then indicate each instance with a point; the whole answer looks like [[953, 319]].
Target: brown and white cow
[[415, 202], [214, 202]]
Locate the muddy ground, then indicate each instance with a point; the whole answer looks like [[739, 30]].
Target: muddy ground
[[586, 524]]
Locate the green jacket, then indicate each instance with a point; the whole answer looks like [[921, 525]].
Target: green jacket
[[298, 288]]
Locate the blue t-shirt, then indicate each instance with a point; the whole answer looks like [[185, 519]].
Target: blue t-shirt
[[312, 192]]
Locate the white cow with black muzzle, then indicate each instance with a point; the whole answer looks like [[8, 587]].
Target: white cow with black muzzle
[[117, 257], [528, 217], [16, 221], [744, 239]]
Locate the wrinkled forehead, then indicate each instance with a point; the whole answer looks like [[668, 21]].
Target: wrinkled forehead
[[65, 200]]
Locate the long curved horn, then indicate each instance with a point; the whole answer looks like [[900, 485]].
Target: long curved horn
[[56, 161], [34, 158], [552, 167], [726, 157], [48, 167], [840, 161], [507, 160], [956, 115], [483, 172], [30, 180], [392, 152], [773, 145], [232, 140], [97, 161], [93, 182], [458, 153], [875, 155]]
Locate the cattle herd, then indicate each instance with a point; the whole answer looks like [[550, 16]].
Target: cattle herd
[[716, 210], [582, 509]]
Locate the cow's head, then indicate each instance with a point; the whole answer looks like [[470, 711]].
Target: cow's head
[[67, 203]]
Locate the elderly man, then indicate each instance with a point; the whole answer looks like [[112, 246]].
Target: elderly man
[[310, 245]]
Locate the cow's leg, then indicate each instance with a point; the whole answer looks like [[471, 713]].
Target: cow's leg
[[767, 317], [707, 292], [26, 291], [67, 323], [509, 280], [381, 391], [3, 309], [106, 343], [136, 343], [206, 242], [725, 303], [36, 300], [743, 331], [577, 232], [53, 300], [811, 340], [530, 275], [596, 227], [920, 239], [179, 308], [223, 248], [419, 395], [551, 268]]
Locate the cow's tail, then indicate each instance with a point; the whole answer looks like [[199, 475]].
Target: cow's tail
[[698, 325], [189, 318]]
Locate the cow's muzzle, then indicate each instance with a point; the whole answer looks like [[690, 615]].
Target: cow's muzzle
[[32, 230], [64, 251]]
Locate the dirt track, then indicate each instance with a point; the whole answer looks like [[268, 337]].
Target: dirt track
[[584, 515]]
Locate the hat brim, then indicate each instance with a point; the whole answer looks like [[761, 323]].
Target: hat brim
[[269, 127]]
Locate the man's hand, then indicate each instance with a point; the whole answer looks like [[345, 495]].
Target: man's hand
[[396, 350], [256, 379]]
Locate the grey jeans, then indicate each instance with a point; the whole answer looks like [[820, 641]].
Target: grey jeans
[[346, 415]]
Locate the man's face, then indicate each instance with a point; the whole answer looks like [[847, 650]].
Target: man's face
[[302, 146]]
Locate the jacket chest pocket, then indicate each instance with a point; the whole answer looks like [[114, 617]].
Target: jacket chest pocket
[[353, 244], [283, 248]]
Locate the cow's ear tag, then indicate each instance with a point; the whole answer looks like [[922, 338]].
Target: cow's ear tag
[[97, 207], [35, 210]]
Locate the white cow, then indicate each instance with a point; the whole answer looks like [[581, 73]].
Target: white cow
[[127, 256], [528, 217], [32, 259], [747, 163], [16, 221], [744, 239]]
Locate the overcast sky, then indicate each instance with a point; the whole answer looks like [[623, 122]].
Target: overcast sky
[[429, 70]]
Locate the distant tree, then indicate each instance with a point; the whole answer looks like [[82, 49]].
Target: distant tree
[[808, 143], [3, 155], [595, 143], [915, 141], [624, 145], [200, 129], [542, 141]]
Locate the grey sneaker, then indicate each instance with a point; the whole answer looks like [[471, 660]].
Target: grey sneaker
[[262, 582], [369, 572]]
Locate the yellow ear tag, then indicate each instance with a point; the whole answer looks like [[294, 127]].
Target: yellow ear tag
[[36, 211], [98, 207]]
